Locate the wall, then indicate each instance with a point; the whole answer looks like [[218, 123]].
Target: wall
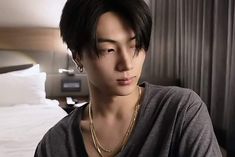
[[43, 39]]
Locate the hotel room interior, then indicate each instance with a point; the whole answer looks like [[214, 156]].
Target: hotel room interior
[[192, 46]]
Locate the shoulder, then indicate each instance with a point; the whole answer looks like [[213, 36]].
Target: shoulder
[[66, 132], [171, 95], [65, 125], [186, 116], [182, 105], [169, 90], [173, 103]]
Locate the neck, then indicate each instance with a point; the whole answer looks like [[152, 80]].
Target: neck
[[107, 105]]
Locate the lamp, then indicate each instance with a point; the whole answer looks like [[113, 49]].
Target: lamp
[[68, 71], [70, 65]]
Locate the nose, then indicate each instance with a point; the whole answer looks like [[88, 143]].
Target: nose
[[125, 60]]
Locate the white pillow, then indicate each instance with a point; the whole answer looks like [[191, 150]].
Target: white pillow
[[22, 89], [35, 69]]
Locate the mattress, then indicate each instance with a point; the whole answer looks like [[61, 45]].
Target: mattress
[[22, 126]]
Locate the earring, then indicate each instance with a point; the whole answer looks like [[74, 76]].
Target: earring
[[80, 68]]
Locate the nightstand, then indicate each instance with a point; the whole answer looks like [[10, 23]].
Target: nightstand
[[69, 108]]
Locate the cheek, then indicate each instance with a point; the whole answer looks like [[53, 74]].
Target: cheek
[[140, 61], [98, 69], [100, 75]]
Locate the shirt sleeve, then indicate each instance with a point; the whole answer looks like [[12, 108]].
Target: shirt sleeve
[[40, 151], [197, 135]]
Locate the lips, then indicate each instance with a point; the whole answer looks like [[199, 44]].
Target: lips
[[125, 81]]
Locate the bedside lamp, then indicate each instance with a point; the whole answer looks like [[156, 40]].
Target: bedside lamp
[[68, 71]]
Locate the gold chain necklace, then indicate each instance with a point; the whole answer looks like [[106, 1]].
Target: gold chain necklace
[[99, 148]]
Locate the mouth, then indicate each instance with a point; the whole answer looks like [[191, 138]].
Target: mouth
[[125, 81]]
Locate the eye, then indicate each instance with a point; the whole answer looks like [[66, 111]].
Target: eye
[[106, 51], [110, 50]]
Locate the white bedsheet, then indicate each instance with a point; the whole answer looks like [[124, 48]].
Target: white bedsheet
[[23, 126]]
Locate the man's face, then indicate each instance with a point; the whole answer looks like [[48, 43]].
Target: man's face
[[118, 68]]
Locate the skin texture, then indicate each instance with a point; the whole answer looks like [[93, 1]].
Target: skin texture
[[112, 78]]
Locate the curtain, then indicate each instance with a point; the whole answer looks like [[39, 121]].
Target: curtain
[[193, 41], [223, 74], [159, 66]]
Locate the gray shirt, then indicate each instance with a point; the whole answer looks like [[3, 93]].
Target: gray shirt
[[172, 122]]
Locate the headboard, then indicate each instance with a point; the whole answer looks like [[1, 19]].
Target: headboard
[[49, 62], [14, 68]]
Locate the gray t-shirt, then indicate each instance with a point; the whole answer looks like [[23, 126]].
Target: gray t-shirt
[[172, 122]]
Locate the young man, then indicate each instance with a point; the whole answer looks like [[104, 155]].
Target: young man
[[109, 39]]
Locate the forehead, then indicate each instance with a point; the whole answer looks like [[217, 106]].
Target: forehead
[[113, 26]]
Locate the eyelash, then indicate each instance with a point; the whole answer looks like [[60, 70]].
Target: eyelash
[[104, 51], [112, 50]]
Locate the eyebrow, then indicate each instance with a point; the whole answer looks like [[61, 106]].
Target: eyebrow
[[101, 40]]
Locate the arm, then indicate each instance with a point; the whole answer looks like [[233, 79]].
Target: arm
[[41, 150], [197, 136]]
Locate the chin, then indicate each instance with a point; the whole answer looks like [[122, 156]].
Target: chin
[[125, 90]]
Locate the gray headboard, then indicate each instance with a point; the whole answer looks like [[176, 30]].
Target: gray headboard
[[6, 69]]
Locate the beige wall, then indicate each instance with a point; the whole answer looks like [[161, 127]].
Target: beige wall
[[43, 39]]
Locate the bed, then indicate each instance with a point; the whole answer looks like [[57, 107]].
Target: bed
[[25, 112]]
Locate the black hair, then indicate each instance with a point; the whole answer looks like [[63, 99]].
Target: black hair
[[79, 20]]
